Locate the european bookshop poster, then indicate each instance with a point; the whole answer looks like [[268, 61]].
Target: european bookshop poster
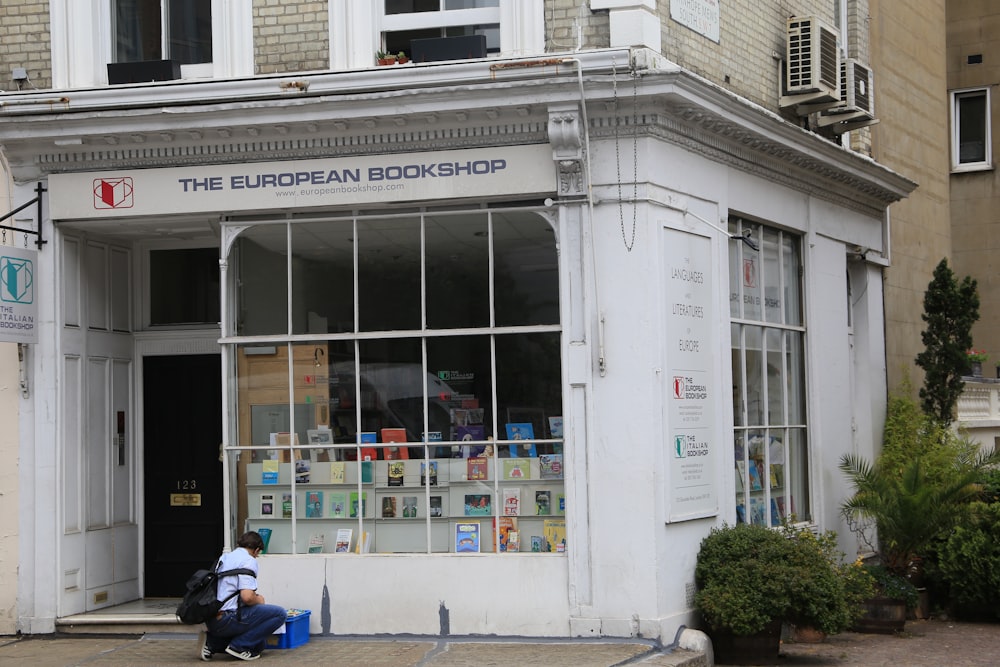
[[691, 338]]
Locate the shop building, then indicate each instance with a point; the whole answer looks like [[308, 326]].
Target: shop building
[[590, 286]]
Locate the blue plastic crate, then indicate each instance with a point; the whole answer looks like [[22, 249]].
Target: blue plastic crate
[[296, 630]]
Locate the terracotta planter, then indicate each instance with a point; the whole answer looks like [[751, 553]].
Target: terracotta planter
[[759, 649], [882, 616]]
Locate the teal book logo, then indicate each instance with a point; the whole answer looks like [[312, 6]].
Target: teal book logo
[[17, 280]]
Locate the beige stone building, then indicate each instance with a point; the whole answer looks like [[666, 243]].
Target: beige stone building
[[660, 234]]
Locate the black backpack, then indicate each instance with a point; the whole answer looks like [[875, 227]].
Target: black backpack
[[200, 603]]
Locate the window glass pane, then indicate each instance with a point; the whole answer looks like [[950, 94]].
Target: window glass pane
[[738, 375], [528, 386], [189, 37], [261, 272], [770, 276], [754, 375], [490, 31], [971, 127], [751, 281], [470, 4], [184, 286], [458, 265], [797, 477], [323, 277], [137, 30], [526, 266], [796, 378], [791, 285], [775, 375], [735, 271], [411, 6], [389, 274]]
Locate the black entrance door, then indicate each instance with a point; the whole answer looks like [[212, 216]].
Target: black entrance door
[[182, 398]]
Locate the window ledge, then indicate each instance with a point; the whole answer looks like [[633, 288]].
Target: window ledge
[[967, 168]]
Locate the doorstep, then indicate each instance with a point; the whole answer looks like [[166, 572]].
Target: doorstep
[[138, 617]]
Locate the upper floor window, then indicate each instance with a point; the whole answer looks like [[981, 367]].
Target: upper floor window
[[178, 30], [971, 139], [406, 20]]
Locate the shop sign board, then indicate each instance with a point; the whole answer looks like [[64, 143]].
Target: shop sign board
[[692, 449], [702, 16], [18, 307], [327, 182]]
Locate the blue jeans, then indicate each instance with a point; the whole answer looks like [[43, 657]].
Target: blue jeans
[[246, 629]]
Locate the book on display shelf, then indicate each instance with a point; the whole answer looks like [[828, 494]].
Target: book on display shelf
[[286, 505], [395, 472], [316, 542], [436, 507], [506, 525], [512, 501], [265, 535], [355, 506], [394, 435], [267, 505], [389, 507], [543, 502], [516, 468], [269, 471], [409, 507], [342, 545], [338, 505], [536, 543], [556, 426], [337, 472], [522, 431], [478, 504], [554, 531], [477, 468], [368, 453], [433, 467], [303, 471], [467, 537], [561, 503], [314, 504], [550, 466], [755, 482]]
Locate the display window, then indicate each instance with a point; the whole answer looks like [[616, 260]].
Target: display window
[[397, 383], [768, 361]]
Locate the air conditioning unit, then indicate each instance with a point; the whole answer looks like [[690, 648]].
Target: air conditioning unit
[[812, 65], [856, 89]]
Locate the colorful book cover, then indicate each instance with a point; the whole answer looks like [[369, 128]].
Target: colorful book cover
[[740, 485], [409, 507], [436, 507], [506, 526], [267, 504], [757, 511], [554, 531], [543, 503], [777, 475], [755, 484], [303, 471], [477, 467], [467, 537], [394, 435], [342, 545], [478, 504], [389, 507], [265, 535], [338, 505], [522, 431], [550, 466], [536, 543], [556, 427], [314, 504], [469, 433], [775, 514], [560, 503], [516, 469], [512, 501], [367, 471], [355, 505], [269, 471], [395, 472], [741, 513], [286, 506], [337, 472], [433, 475], [368, 453], [316, 543], [513, 542]]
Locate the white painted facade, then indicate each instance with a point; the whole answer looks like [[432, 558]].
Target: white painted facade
[[699, 155]]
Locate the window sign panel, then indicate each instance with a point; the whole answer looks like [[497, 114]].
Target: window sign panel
[[690, 339], [702, 16]]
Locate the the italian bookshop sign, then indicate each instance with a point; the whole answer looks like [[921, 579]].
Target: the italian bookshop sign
[[690, 335], [18, 310]]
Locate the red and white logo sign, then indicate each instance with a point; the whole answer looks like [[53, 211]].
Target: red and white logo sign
[[678, 386], [750, 273], [113, 192]]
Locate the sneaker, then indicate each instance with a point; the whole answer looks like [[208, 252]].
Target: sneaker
[[203, 650], [242, 655]]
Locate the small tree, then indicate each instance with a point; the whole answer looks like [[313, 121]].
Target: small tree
[[950, 310]]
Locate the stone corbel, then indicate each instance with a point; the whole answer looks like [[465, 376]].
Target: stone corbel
[[567, 148]]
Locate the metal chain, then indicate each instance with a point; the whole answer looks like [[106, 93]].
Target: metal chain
[[629, 243]]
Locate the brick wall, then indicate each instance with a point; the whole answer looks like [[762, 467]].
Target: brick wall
[[24, 42], [568, 22], [290, 36]]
